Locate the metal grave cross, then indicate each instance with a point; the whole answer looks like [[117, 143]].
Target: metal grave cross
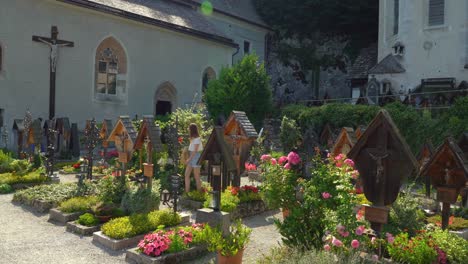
[[54, 45]]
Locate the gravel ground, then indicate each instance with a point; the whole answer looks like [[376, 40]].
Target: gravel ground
[[26, 237]]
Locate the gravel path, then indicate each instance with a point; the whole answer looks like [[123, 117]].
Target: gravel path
[[26, 237]]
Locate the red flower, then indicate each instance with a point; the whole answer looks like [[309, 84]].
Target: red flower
[[180, 139], [76, 165]]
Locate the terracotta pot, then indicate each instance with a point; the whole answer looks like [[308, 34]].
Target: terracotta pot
[[285, 212], [236, 259]]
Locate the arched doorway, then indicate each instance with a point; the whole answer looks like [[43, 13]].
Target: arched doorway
[[165, 99], [208, 75]]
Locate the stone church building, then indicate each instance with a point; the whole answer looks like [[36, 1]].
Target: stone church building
[[118, 57]]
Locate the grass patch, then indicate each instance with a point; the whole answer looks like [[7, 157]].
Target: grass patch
[[55, 193], [78, 204]]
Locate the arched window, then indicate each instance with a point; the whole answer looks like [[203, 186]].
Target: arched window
[[111, 70], [208, 75], [165, 99]]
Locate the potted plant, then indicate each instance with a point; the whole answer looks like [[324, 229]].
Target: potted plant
[[230, 247], [104, 211]]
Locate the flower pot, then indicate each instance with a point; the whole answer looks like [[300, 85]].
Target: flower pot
[[103, 218], [285, 212], [236, 259]]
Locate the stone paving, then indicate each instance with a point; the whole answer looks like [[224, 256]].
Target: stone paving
[[26, 237]]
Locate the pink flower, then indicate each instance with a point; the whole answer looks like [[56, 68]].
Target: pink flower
[[339, 164], [375, 258], [273, 161], [287, 166], [336, 242], [326, 195], [340, 228], [355, 243], [373, 240], [265, 157], [360, 230], [339, 157], [354, 174], [390, 238], [326, 247], [294, 158], [282, 160], [345, 234], [349, 162]]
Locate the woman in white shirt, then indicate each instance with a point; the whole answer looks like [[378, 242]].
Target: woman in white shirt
[[195, 150]]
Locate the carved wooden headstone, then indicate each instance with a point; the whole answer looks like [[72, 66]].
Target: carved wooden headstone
[[383, 160], [448, 169], [35, 135], [326, 137], [18, 128], [344, 142], [124, 136], [359, 131]]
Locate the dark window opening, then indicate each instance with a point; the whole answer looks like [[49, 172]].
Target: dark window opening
[[396, 16], [246, 47], [163, 107]]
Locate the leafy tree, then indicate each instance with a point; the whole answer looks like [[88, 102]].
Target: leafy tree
[[244, 87]]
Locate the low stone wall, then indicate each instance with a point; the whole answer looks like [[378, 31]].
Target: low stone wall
[[461, 233], [190, 204], [250, 208], [59, 217], [133, 256], [75, 228]]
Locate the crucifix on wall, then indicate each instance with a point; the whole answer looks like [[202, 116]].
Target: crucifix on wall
[[54, 45]]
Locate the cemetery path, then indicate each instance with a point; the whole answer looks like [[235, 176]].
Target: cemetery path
[[28, 238]]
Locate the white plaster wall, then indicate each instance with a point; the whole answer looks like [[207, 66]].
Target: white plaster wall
[[446, 57], [240, 31], [154, 56]]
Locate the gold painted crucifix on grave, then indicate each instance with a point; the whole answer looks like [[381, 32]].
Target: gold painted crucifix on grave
[[54, 45]]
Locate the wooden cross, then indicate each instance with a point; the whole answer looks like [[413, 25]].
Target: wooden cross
[[54, 45]]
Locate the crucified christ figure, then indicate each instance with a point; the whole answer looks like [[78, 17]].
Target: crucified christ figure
[[53, 45], [380, 168]]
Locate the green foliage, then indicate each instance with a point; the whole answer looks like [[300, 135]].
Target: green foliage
[[310, 218], [32, 177], [145, 200], [229, 201], [290, 134], [197, 196], [230, 244], [243, 87], [405, 215], [5, 161], [78, 204], [278, 186], [455, 223], [137, 224], [54, 193], [196, 115], [20, 167], [454, 246], [461, 212], [111, 189], [412, 251], [6, 188], [37, 161], [88, 220], [281, 255]]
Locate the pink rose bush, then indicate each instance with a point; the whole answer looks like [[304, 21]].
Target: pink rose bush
[[174, 240]]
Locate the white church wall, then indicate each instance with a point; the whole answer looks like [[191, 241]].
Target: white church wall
[[430, 52], [154, 56]]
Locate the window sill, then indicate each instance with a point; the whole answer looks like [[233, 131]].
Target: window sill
[[440, 27], [108, 99]]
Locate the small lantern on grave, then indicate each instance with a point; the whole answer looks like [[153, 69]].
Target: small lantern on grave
[[448, 170], [165, 197], [344, 142], [215, 203], [383, 159]]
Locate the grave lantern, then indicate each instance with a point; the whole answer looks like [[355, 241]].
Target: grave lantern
[[241, 135], [344, 142], [383, 159], [423, 157], [148, 139], [326, 137], [124, 136], [448, 170], [221, 165]]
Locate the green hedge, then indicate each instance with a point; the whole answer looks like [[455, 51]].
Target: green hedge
[[416, 126], [32, 177]]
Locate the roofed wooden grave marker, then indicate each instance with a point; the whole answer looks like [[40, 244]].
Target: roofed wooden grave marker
[[124, 136], [383, 159], [104, 134], [344, 142], [448, 169]]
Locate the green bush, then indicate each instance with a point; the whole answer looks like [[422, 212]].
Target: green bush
[[195, 115], [138, 200], [6, 188], [455, 223], [229, 201], [405, 215], [54, 193], [111, 189], [137, 224], [243, 87], [78, 204], [290, 134], [280, 255], [416, 250], [454, 246], [5, 161], [88, 220], [32, 177], [20, 167], [197, 196]]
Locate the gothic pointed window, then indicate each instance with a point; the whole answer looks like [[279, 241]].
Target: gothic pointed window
[[436, 15], [111, 71], [208, 75]]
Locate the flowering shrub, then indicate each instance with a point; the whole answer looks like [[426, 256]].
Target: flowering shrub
[[250, 166], [419, 249], [328, 201], [172, 241]]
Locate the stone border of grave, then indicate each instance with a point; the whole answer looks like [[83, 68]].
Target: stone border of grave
[[62, 172], [119, 244], [75, 228], [18, 186], [249, 208], [190, 204], [59, 217], [132, 255], [461, 233], [37, 206]]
